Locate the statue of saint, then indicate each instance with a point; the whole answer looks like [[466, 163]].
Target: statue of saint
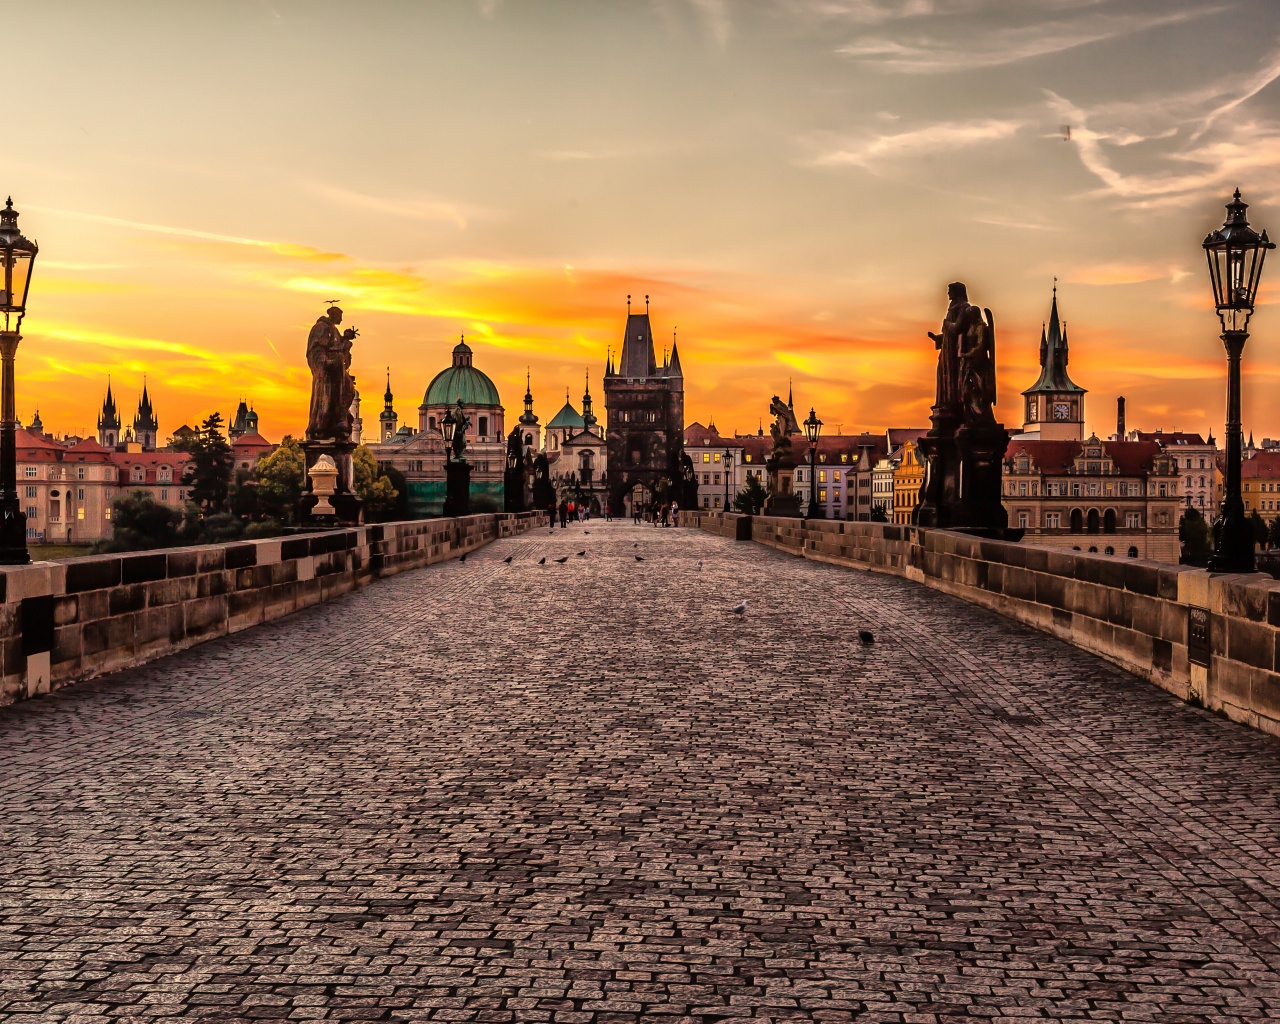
[[978, 367], [460, 423], [332, 389], [947, 343], [783, 426]]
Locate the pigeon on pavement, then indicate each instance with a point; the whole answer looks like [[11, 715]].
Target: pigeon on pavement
[[562, 560], [866, 636], [542, 560], [582, 552], [639, 558], [463, 558], [739, 609], [699, 565], [508, 559]]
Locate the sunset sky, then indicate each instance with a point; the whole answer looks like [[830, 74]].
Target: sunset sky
[[793, 182]]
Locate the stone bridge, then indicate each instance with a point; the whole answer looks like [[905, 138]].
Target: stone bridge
[[501, 789]]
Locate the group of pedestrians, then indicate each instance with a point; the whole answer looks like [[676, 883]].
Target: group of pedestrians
[[568, 512], [664, 514]]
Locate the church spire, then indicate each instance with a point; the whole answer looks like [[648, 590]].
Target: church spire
[[386, 395], [588, 417]]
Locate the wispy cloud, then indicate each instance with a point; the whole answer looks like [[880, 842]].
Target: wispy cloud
[[978, 43], [873, 149], [426, 208]]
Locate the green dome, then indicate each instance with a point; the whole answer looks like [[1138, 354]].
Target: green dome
[[461, 380]]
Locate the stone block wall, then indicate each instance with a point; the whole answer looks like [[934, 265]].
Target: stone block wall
[[1139, 615], [65, 621]]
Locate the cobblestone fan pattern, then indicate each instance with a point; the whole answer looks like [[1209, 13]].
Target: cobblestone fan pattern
[[588, 793]]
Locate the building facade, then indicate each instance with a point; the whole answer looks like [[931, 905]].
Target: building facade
[[1195, 458], [1054, 404], [644, 412], [908, 478], [1108, 497]]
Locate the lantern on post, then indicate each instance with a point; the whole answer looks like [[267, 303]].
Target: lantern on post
[[18, 255], [1235, 253], [812, 429]]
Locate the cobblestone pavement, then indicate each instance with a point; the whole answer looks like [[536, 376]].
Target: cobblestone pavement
[[586, 792]]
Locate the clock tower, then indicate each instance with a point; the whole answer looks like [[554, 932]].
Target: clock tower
[[1054, 403]]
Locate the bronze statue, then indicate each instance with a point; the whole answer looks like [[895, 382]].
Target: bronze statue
[[784, 424], [978, 367], [332, 389], [947, 343], [460, 423]]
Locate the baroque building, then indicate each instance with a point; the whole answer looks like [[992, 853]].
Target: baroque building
[[644, 412]]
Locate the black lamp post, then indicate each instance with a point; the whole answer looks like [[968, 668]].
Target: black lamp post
[[1235, 253], [19, 259], [812, 428], [447, 425], [728, 469]]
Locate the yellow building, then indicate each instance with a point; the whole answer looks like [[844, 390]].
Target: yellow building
[[908, 478]]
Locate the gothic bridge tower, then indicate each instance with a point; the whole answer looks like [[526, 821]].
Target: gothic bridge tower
[[644, 415]]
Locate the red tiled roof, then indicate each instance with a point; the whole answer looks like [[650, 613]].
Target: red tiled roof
[[1131, 458], [1263, 466], [1171, 437], [251, 440]]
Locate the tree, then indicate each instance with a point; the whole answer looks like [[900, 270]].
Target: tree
[[281, 477], [1196, 537], [878, 514], [1273, 533], [372, 486], [208, 474], [1259, 527], [139, 521], [750, 499]]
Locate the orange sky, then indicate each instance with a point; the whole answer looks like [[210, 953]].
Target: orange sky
[[793, 183]]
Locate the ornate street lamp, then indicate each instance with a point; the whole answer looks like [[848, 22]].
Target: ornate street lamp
[[19, 259], [728, 470], [1235, 253], [812, 428]]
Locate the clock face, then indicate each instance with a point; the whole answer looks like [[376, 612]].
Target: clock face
[[1061, 411]]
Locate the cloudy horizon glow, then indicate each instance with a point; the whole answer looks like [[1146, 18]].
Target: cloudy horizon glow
[[793, 182]]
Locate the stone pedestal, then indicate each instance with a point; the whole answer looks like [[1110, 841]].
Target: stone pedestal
[[782, 499], [457, 494], [345, 505], [964, 466]]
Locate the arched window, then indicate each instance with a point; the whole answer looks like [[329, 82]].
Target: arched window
[[1077, 521], [1093, 550], [1133, 552], [1109, 522], [1109, 550], [1091, 524]]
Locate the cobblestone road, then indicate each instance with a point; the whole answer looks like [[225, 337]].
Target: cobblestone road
[[586, 792]]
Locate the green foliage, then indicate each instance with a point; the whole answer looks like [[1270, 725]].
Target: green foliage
[[878, 514], [264, 528], [750, 499], [1196, 537], [1259, 526], [378, 493], [208, 474], [1273, 533], [139, 522], [281, 476]]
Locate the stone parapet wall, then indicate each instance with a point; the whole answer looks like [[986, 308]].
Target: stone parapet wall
[[1136, 614], [66, 621]]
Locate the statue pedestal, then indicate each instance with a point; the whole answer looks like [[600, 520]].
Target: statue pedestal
[[782, 499], [963, 476], [457, 493], [345, 505]]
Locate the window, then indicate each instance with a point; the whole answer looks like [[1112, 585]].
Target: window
[[31, 491], [716, 480], [80, 512], [1053, 521], [1023, 520], [706, 456], [717, 503], [706, 501], [822, 494], [1075, 490], [747, 457], [1132, 521], [1022, 489], [164, 494], [1162, 490], [844, 456], [164, 475], [55, 511], [1133, 552], [706, 478], [80, 494], [31, 512], [80, 472], [108, 513], [182, 495], [822, 476], [139, 475], [1109, 550], [715, 457], [835, 475], [484, 426], [30, 471]]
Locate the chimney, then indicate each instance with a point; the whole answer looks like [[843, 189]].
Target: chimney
[[1120, 418]]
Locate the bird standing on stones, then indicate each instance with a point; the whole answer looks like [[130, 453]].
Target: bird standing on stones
[[562, 560], [542, 560], [739, 609], [582, 552], [699, 565], [463, 558], [508, 559], [866, 636], [639, 558]]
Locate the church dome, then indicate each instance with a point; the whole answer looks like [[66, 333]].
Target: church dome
[[461, 380]]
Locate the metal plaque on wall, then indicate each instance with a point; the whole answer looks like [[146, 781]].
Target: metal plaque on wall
[[1198, 635]]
